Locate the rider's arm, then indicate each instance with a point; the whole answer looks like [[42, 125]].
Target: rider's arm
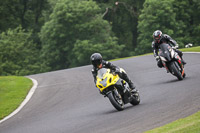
[[110, 65], [172, 41], [155, 50], [94, 73]]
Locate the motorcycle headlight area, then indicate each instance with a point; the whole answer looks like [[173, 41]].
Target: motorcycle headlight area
[[104, 82], [162, 58], [172, 53]]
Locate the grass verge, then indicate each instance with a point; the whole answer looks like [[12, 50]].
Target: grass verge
[[189, 124], [192, 49], [13, 90]]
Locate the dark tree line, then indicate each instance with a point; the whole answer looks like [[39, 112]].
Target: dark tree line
[[45, 35]]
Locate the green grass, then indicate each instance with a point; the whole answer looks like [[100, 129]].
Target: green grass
[[189, 124], [13, 90], [129, 57], [192, 49]]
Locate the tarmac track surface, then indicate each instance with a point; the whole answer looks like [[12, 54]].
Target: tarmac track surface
[[67, 101]]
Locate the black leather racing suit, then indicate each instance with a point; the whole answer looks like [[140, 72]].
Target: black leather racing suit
[[165, 39], [107, 64]]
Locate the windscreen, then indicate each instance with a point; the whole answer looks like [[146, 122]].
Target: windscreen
[[101, 73], [164, 51]]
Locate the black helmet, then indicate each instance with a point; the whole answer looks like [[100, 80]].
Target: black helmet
[[157, 35], [96, 59]]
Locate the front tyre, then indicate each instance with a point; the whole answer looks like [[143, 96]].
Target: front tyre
[[135, 98], [176, 70], [184, 75], [116, 100]]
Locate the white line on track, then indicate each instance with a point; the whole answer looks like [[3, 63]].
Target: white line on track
[[28, 97]]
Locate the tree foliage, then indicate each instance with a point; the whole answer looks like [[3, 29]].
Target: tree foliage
[[27, 13], [175, 18], [64, 33], [163, 18], [123, 16], [187, 15], [84, 49], [72, 24], [18, 55]]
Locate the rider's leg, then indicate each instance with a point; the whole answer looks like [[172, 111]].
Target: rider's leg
[[180, 53], [124, 76]]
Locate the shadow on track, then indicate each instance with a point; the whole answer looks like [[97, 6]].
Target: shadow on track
[[173, 81], [112, 111]]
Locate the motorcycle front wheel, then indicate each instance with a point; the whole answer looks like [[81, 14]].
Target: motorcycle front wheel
[[136, 99], [116, 100], [175, 70]]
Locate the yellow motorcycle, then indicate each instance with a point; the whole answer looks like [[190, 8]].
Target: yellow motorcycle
[[116, 89]]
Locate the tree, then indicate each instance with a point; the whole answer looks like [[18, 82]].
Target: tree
[[123, 16], [72, 24], [187, 14], [196, 21], [8, 15], [18, 55], [84, 49], [163, 18], [26, 13]]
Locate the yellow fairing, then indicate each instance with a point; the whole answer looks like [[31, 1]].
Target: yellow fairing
[[105, 79]]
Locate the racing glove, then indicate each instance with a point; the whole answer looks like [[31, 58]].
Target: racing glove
[[175, 47], [117, 70], [157, 58]]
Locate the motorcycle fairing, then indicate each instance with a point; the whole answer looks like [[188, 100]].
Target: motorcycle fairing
[[165, 52], [106, 79], [104, 82], [167, 55]]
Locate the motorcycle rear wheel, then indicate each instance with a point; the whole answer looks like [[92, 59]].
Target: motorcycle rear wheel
[[116, 101]]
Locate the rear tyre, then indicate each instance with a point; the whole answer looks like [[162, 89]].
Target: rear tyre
[[175, 70], [116, 101]]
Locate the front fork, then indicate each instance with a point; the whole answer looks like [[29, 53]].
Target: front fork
[[181, 64]]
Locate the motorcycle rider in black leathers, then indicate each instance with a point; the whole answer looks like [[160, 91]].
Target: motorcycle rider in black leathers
[[98, 63], [160, 38]]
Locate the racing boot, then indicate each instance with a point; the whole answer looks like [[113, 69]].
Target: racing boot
[[181, 55], [132, 87], [183, 62], [130, 83]]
